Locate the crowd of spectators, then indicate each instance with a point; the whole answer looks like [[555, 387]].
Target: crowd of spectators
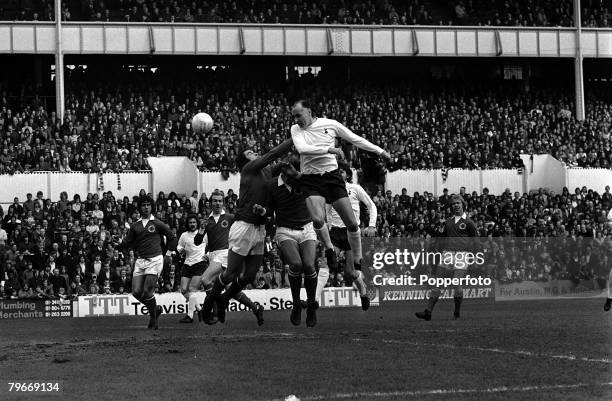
[[542, 235], [437, 124], [71, 247], [596, 13], [359, 12]]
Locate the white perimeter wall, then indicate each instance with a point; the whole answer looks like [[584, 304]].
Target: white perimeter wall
[[180, 175]]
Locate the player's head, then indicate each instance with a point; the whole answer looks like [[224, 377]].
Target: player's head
[[192, 222], [346, 172], [244, 156], [458, 204], [145, 205], [302, 112], [216, 201]]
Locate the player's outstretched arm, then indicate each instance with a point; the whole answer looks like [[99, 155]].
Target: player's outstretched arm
[[269, 157], [359, 141], [363, 197]]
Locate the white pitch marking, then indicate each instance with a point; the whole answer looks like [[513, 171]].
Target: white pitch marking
[[499, 351], [417, 393]]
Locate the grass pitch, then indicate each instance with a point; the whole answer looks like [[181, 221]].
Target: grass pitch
[[536, 350]]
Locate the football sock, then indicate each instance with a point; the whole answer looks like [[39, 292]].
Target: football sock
[[311, 283], [243, 299], [233, 289], [211, 294], [458, 304], [193, 304], [354, 240], [433, 298], [295, 282], [323, 234], [360, 283], [332, 260], [151, 305], [218, 286], [214, 304], [321, 282], [190, 309]]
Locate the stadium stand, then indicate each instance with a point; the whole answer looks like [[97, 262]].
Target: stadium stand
[[596, 13], [73, 244], [116, 130], [381, 12]]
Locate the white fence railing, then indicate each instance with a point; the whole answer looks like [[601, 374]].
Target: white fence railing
[[53, 183], [180, 175], [436, 181]]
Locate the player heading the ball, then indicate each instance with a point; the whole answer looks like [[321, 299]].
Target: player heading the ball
[[321, 180]]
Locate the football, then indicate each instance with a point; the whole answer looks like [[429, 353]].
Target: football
[[201, 123]]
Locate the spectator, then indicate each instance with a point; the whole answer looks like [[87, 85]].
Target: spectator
[[457, 128], [3, 237], [123, 282], [12, 285], [48, 289], [541, 215], [57, 281], [321, 12], [171, 283], [77, 288], [104, 275], [26, 292]]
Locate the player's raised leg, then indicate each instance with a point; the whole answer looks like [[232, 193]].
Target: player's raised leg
[[247, 234], [235, 264], [241, 297], [316, 209], [345, 210], [323, 272], [343, 207], [251, 266], [255, 307]]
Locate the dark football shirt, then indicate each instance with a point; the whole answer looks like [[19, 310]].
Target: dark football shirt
[[289, 206], [148, 241], [253, 179]]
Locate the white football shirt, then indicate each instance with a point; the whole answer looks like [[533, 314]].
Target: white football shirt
[[356, 194], [313, 142], [193, 253]]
